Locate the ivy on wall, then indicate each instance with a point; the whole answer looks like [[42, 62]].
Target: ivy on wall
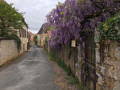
[[110, 29]]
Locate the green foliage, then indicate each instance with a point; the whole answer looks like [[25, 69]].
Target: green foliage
[[15, 37], [35, 39], [83, 88], [110, 29], [68, 49], [73, 80], [61, 63], [9, 19], [52, 56], [49, 28], [64, 66]]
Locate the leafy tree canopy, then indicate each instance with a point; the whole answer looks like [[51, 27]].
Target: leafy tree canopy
[[9, 19], [35, 39]]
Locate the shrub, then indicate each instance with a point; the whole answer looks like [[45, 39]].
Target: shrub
[[35, 40]]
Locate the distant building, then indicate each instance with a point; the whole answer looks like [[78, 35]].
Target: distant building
[[44, 34], [32, 38], [40, 36], [30, 34], [30, 43]]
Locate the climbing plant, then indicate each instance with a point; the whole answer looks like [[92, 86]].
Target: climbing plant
[[72, 17], [110, 29], [9, 19]]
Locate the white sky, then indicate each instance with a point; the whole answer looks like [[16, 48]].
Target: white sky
[[35, 11]]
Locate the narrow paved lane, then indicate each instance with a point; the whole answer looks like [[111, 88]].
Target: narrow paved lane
[[32, 71]]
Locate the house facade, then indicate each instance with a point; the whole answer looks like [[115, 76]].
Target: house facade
[[40, 34], [23, 34], [43, 35], [41, 38]]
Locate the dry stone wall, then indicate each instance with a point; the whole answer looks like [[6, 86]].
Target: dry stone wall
[[68, 56], [63, 53], [108, 65], [107, 54]]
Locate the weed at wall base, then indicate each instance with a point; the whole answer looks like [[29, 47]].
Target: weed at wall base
[[65, 67], [61, 63]]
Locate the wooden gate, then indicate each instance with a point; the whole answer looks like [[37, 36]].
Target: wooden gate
[[89, 67]]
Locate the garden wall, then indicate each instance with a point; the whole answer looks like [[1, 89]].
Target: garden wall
[[8, 50], [68, 55], [108, 65]]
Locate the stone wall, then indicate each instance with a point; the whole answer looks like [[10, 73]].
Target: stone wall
[[69, 56], [107, 64], [8, 50]]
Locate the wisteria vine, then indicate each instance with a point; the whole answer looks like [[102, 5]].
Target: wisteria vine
[[72, 17]]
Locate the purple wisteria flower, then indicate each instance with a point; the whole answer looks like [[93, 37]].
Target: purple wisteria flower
[[83, 54], [80, 72], [69, 20], [84, 77], [83, 45], [76, 65], [81, 39]]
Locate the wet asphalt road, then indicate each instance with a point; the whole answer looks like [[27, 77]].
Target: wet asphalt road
[[33, 71]]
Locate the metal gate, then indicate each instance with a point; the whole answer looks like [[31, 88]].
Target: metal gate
[[89, 67]]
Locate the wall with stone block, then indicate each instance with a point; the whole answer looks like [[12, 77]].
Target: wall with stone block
[[108, 65], [107, 54], [63, 54], [8, 50]]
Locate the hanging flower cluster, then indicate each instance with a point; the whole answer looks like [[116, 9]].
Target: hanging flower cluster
[[72, 17]]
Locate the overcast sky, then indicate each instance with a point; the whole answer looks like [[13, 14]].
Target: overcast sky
[[35, 11]]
